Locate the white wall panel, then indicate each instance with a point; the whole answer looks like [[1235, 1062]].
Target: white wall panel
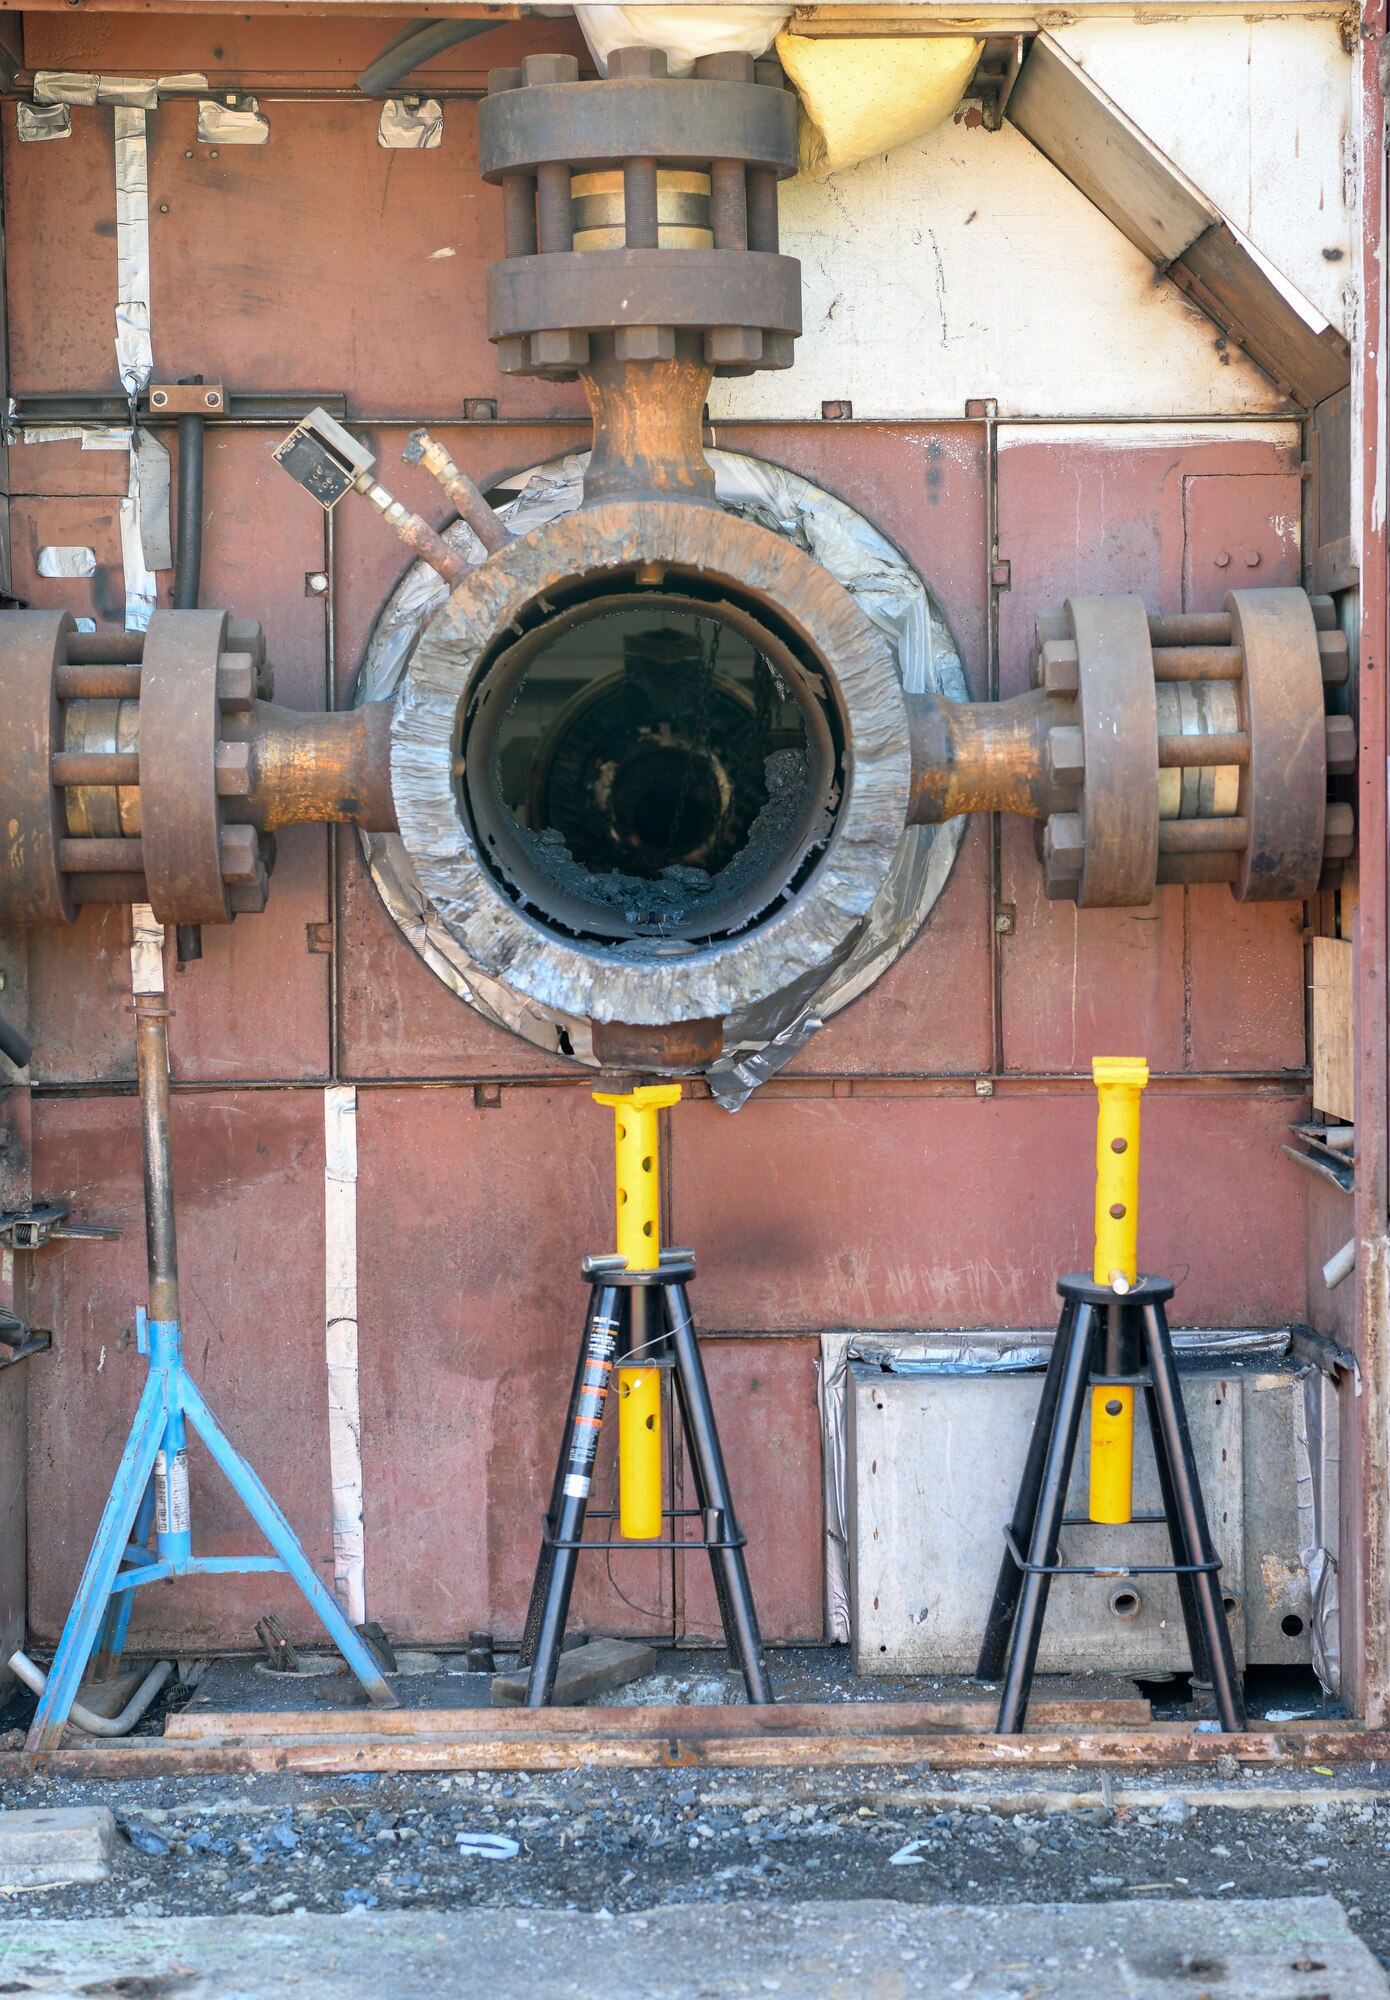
[[965, 265], [1257, 113]]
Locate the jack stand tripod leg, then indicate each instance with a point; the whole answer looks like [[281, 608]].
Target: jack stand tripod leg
[[247, 1485], [88, 1611], [545, 1562], [116, 1623], [1047, 1524], [1189, 1521], [1187, 1596], [712, 1489], [577, 1453], [1004, 1609]]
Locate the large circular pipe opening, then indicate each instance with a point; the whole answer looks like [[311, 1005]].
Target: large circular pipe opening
[[649, 764]]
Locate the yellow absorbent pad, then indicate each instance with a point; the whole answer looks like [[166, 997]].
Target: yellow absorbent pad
[[866, 96]]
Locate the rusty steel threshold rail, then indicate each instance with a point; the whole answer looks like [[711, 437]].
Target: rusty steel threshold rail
[[937, 1737]]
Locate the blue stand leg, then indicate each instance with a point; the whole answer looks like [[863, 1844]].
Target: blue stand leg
[[116, 1623], [94, 1591], [285, 1543]]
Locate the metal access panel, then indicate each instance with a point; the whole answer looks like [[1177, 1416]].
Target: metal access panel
[[933, 1467]]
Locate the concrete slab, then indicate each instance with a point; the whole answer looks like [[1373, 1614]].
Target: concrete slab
[[53, 1846], [1297, 1949]]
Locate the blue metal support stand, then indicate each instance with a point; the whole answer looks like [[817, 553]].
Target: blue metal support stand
[[151, 1486]]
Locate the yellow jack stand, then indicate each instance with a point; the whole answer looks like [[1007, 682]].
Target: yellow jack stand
[[1112, 1338], [639, 1322]]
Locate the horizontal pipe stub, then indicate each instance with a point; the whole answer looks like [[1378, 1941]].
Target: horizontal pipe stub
[[164, 768]]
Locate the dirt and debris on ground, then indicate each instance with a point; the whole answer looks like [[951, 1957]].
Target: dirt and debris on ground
[[634, 1841]]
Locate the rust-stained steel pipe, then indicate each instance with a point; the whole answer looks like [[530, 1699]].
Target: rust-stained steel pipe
[[459, 488], [972, 757], [648, 416], [152, 1061], [303, 769]]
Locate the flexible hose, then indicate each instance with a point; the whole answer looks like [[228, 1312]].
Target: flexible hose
[[36, 1680], [14, 1045], [415, 45]]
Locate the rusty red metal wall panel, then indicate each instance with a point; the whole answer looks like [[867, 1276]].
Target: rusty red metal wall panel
[[318, 267], [471, 1226], [764, 1395], [248, 1171], [957, 1211]]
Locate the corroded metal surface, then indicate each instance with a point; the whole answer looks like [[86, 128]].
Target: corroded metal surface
[[1283, 790], [643, 204], [31, 809]]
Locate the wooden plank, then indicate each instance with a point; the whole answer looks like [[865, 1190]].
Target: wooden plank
[[1219, 274], [1089, 139], [828, 1719], [685, 1747], [1334, 1085], [583, 1674]]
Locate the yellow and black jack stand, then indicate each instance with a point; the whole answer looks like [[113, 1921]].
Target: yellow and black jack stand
[[1111, 1339], [639, 1325]]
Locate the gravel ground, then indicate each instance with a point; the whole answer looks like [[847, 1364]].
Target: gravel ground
[[631, 1841]]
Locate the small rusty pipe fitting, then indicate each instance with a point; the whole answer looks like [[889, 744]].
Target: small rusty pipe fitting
[[972, 757], [458, 488]]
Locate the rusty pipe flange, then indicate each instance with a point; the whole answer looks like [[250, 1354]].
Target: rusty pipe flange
[[1283, 787], [1240, 750], [643, 205], [137, 774], [33, 644], [656, 981], [199, 669], [1106, 851]]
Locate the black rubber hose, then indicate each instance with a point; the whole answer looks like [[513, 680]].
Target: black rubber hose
[[14, 1045], [420, 41], [188, 551]]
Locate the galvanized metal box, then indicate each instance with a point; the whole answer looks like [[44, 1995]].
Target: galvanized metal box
[[933, 1465]]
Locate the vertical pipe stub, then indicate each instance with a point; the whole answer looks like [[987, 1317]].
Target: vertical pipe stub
[[1119, 1081], [638, 1193]]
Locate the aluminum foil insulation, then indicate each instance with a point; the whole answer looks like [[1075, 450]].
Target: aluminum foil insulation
[[759, 1039]]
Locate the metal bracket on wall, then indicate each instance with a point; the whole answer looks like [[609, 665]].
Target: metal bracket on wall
[[247, 406], [18, 1340], [32, 1228]]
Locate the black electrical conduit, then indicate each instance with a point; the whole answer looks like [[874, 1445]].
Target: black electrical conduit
[[413, 46], [188, 550]]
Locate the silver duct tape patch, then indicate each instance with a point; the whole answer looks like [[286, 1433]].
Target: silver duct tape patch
[[153, 478], [232, 124], [140, 584], [74, 86], [134, 353], [36, 122], [89, 436], [55, 561], [410, 124]]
